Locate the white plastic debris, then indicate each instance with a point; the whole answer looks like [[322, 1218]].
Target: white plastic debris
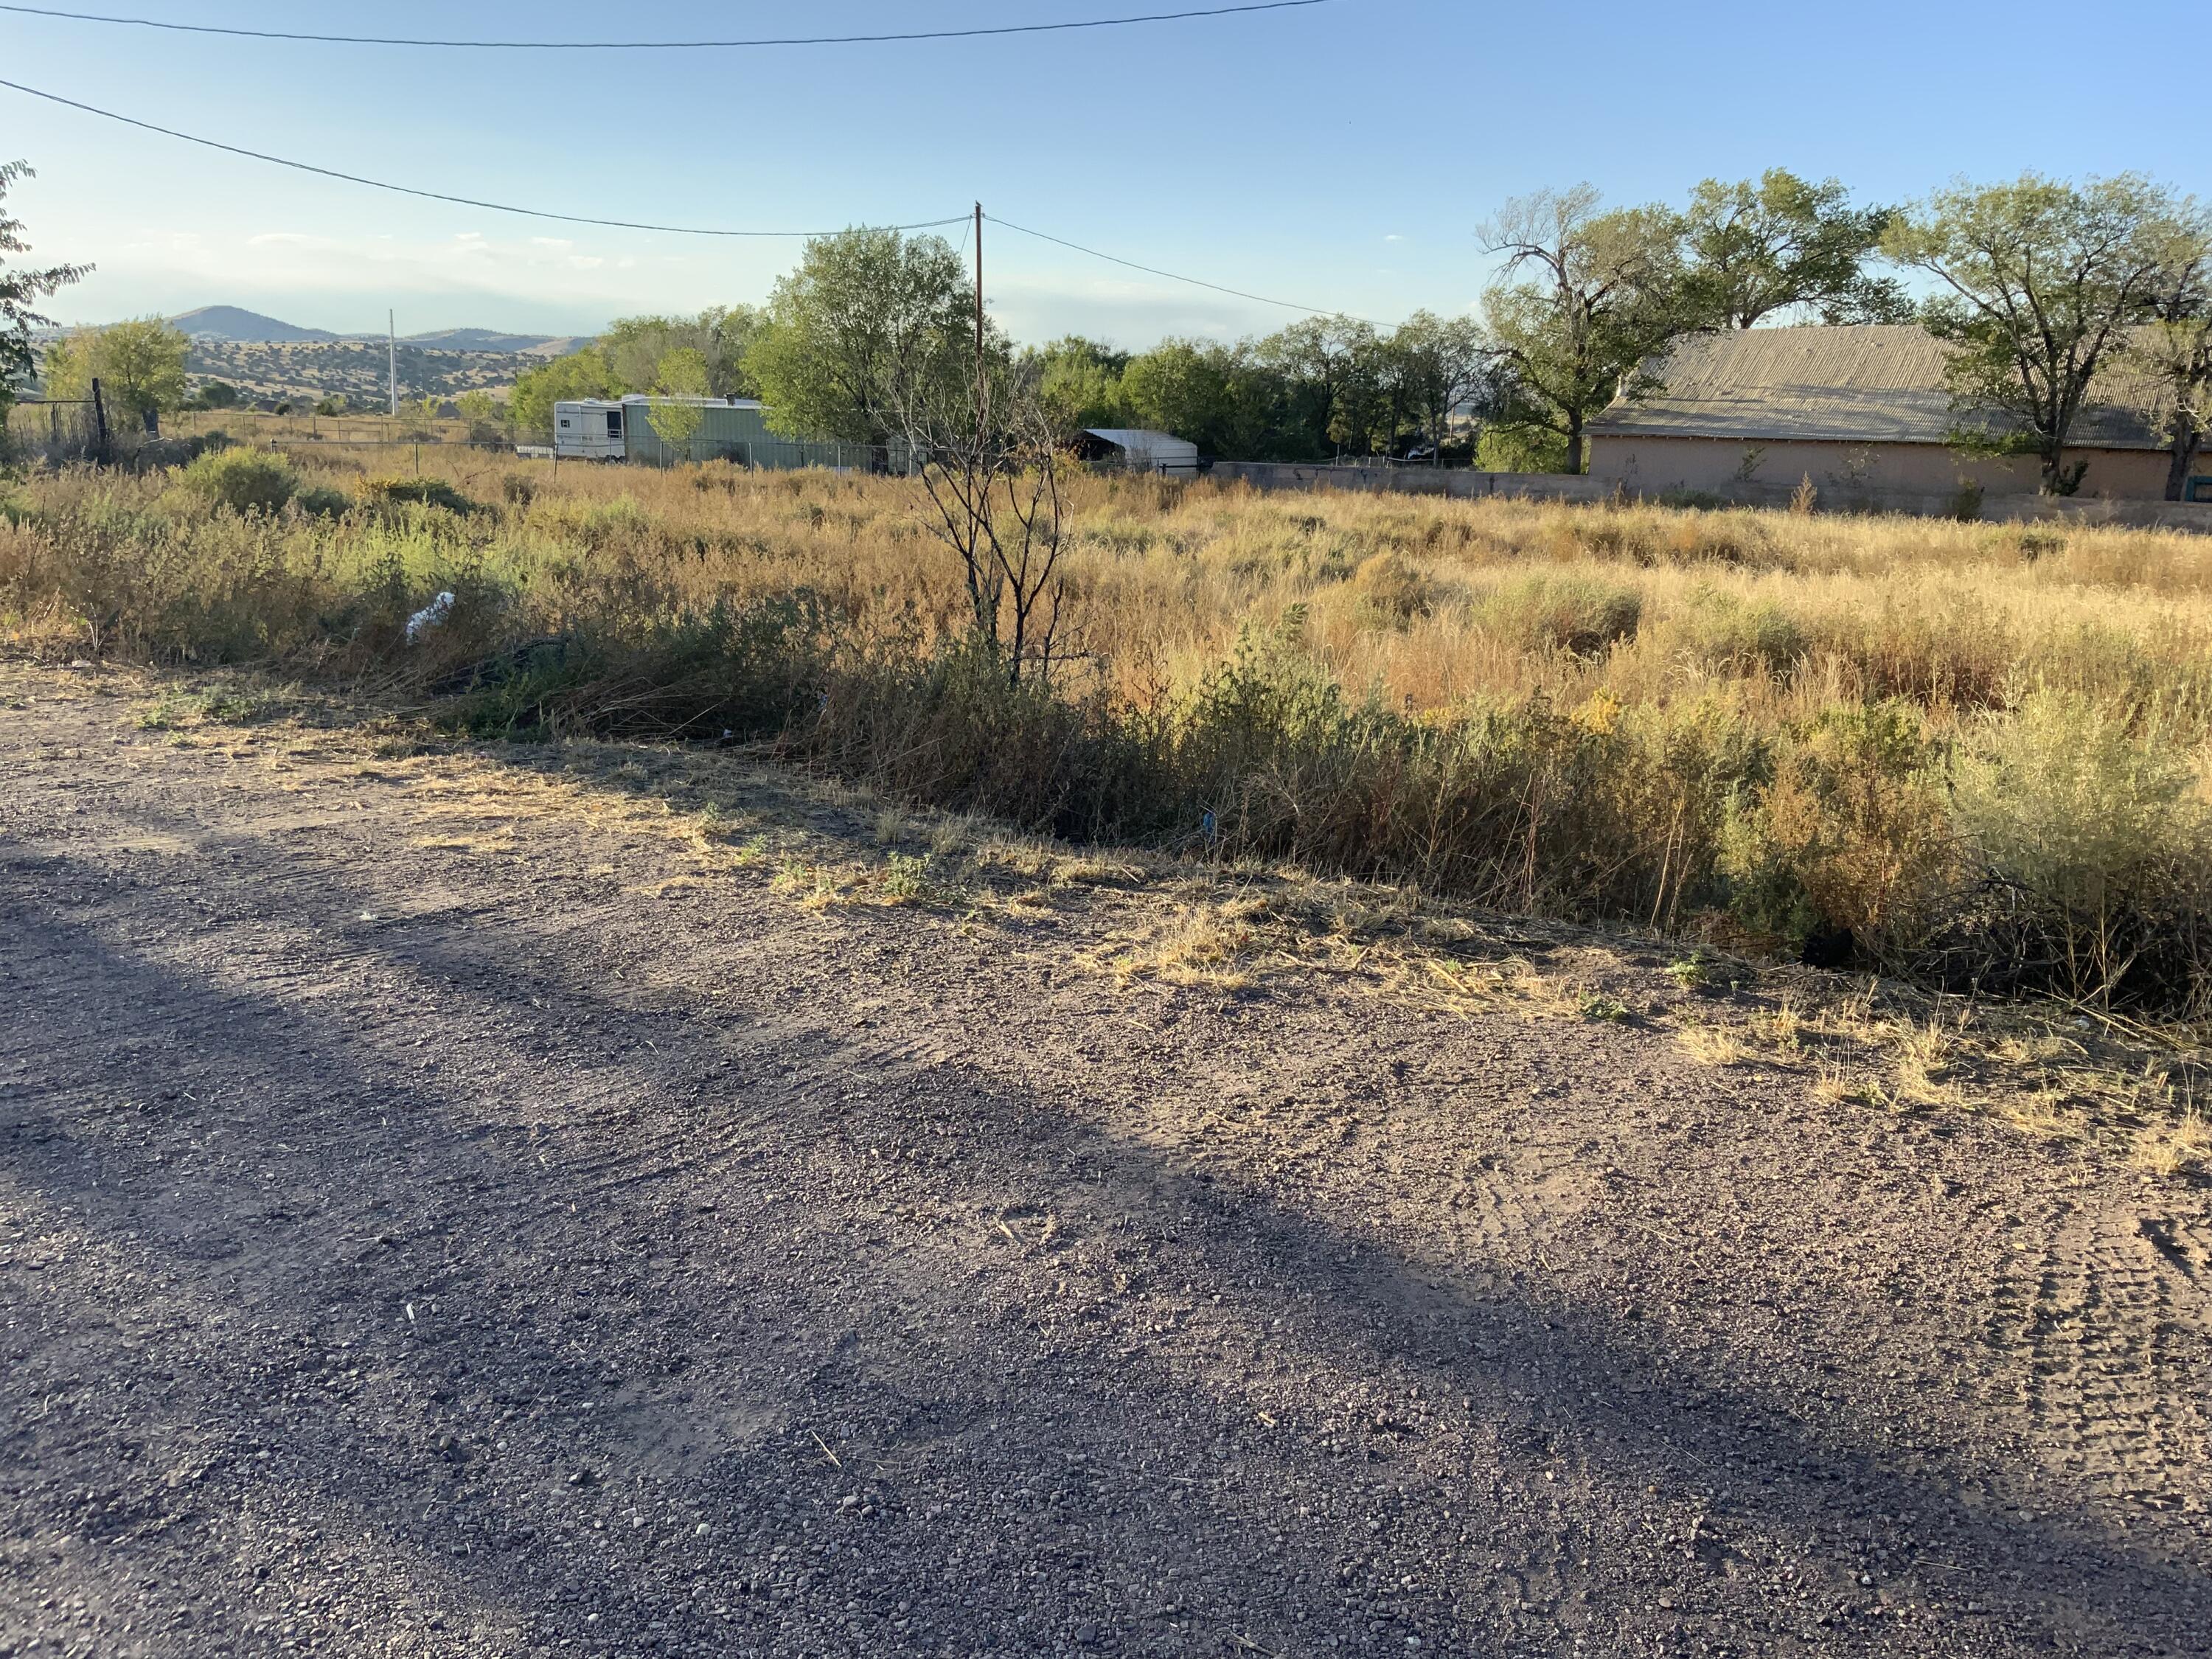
[[431, 616]]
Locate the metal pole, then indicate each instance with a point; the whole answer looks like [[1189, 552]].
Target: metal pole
[[391, 358]]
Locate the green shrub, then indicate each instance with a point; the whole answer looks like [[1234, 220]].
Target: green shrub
[[419, 492], [1850, 833], [2062, 798], [1563, 613], [242, 480], [320, 501]]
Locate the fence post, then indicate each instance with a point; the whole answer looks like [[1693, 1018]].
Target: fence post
[[99, 424]]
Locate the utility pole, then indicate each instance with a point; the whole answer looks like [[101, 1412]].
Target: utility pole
[[391, 358], [979, 293]]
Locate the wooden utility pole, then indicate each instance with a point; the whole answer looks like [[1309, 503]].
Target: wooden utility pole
[[979, 293]]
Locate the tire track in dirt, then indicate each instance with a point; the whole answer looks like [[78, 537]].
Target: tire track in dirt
[[2114, 1338], [1147, 1313]]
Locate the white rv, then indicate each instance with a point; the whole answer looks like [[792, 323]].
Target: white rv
[[589, 430]]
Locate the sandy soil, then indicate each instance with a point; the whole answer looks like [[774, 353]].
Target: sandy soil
[[441, 1213]]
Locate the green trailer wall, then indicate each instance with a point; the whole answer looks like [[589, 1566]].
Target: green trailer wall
[[728, 432]]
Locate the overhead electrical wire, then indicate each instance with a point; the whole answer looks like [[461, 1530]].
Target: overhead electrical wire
[[1172, 276], [632, 224], [667, 45], [439, 195]]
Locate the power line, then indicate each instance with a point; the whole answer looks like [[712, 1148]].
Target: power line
[[1173, 276], [631, 224], [666, 45], [440, 196]]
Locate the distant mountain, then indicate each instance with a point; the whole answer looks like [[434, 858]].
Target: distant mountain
[[237, 326], [475, 339], [231, 323]]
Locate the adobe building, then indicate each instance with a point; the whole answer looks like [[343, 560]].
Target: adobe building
[[1862, 411]]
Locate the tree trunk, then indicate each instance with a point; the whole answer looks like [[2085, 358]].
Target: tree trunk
[[1575, 442], [2181, 459]]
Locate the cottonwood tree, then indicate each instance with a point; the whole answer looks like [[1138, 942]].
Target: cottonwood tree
[[579, 374], [20, 289], [1323, 371], [1078, 382], [1443, 365], [1586, 298], [679, 377], [140, 364], [1780, 246], [1196, 389], [721, 336], [871, 321], [2046, 280], [2173, 348]]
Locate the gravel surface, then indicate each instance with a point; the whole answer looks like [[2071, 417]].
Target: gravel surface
[[438, 1217]]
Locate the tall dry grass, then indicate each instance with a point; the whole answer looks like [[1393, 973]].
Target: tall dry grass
[[1977, 751]]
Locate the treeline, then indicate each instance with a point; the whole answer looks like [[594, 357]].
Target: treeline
[[2043, 288], [1586, 295], [2041, 285]]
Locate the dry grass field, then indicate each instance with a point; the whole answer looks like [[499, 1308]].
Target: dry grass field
[[1977, 755], [681, 1112]]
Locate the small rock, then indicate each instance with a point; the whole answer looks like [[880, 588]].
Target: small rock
[[1086, 1635]]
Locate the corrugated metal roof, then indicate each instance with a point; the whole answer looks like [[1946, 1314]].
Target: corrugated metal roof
[[1868, 383], [1143, 439]]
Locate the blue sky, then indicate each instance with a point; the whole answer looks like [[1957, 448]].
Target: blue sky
[[1339, 156]]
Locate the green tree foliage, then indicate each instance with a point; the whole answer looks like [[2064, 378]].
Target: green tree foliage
[[1321, 372], [2045, 280], [1322, 387], [140, 366], [718, 337], [1191, 388], [1443, 365], [20, 289], [1585, 299], [585, 374], [870, 322], [682, 375], [1780, 247], [1079, 382], [481, 410], [2173, 350]]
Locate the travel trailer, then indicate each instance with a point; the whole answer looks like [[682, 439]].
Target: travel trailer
[[589, 430]]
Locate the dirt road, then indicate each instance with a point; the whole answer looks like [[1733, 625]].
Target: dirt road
[[438, 1217]]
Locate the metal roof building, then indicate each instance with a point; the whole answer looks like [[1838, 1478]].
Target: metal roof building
[[1140, 450], [1864, 410]]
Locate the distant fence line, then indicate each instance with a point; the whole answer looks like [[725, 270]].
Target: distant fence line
[[57, 430], [60, 431], [1459, 481], [1468, 483]]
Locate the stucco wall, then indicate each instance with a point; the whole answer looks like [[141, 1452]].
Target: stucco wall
[[1841, 472], [1409, 480]]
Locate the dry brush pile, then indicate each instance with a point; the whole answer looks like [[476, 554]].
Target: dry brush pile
[[1975, 753]]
